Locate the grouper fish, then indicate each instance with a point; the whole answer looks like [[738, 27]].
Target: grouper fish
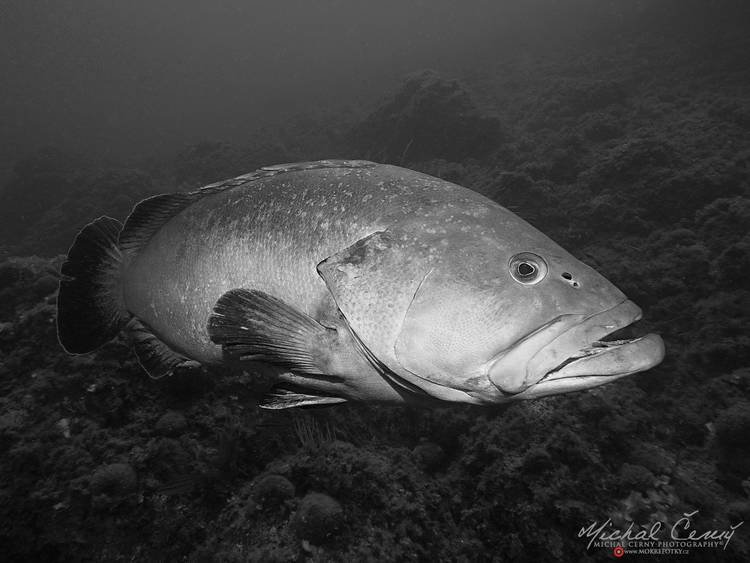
[[356, 281]]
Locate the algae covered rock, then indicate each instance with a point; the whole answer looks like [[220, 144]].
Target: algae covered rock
[[271, 490], [318, 519], [171, 424], [112, 484], [24, 281], [429, 455]]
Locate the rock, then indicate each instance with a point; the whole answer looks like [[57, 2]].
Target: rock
[[64, 426], [636, 477], [429, 455], [733, 427], [429, 117], [12, 419], [272, 490], [44, 285], [113, 480], [172, 424], [318, 519], [7, 331]]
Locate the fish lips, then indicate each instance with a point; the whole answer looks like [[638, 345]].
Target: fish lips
[[568, 355]]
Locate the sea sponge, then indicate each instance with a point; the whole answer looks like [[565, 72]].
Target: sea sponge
[[318, 519]]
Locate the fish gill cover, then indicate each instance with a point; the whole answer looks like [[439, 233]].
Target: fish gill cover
[[636, 158]]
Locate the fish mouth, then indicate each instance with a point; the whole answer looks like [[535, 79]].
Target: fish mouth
[[603, 361], [571, 353]]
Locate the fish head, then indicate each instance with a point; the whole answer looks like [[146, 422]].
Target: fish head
[[504, 313], [467, 302]]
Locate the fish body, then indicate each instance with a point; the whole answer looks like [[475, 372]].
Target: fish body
[[362, 281]]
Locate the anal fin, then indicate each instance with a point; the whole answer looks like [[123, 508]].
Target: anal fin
[[281, 397], [155, 357]]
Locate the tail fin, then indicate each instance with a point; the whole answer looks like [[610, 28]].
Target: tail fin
[[89, 305]]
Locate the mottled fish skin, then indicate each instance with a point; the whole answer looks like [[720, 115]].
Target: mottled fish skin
[[270, 234], [415, 274]]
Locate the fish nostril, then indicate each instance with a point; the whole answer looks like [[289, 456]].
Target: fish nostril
[[569, 277]]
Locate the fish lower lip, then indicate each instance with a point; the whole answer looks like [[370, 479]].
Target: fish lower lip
[[592, 349], [584, 340], [610, 347], [573, 345]]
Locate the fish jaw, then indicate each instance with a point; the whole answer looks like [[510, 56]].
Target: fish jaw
[[614, 361], [566, 355]]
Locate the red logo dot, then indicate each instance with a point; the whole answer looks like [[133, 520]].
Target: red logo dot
[[618, 551]]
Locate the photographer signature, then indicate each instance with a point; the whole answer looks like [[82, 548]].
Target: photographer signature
[[682, 530]]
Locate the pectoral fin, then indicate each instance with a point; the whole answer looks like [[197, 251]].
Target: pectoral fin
[[251, 325]]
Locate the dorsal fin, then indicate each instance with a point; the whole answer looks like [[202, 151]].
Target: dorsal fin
[[148, 217], [153, 213]]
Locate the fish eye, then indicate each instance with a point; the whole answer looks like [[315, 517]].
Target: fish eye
[[527, 268]]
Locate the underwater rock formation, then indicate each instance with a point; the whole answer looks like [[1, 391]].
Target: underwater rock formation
[[428, 117], [318, 518]]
